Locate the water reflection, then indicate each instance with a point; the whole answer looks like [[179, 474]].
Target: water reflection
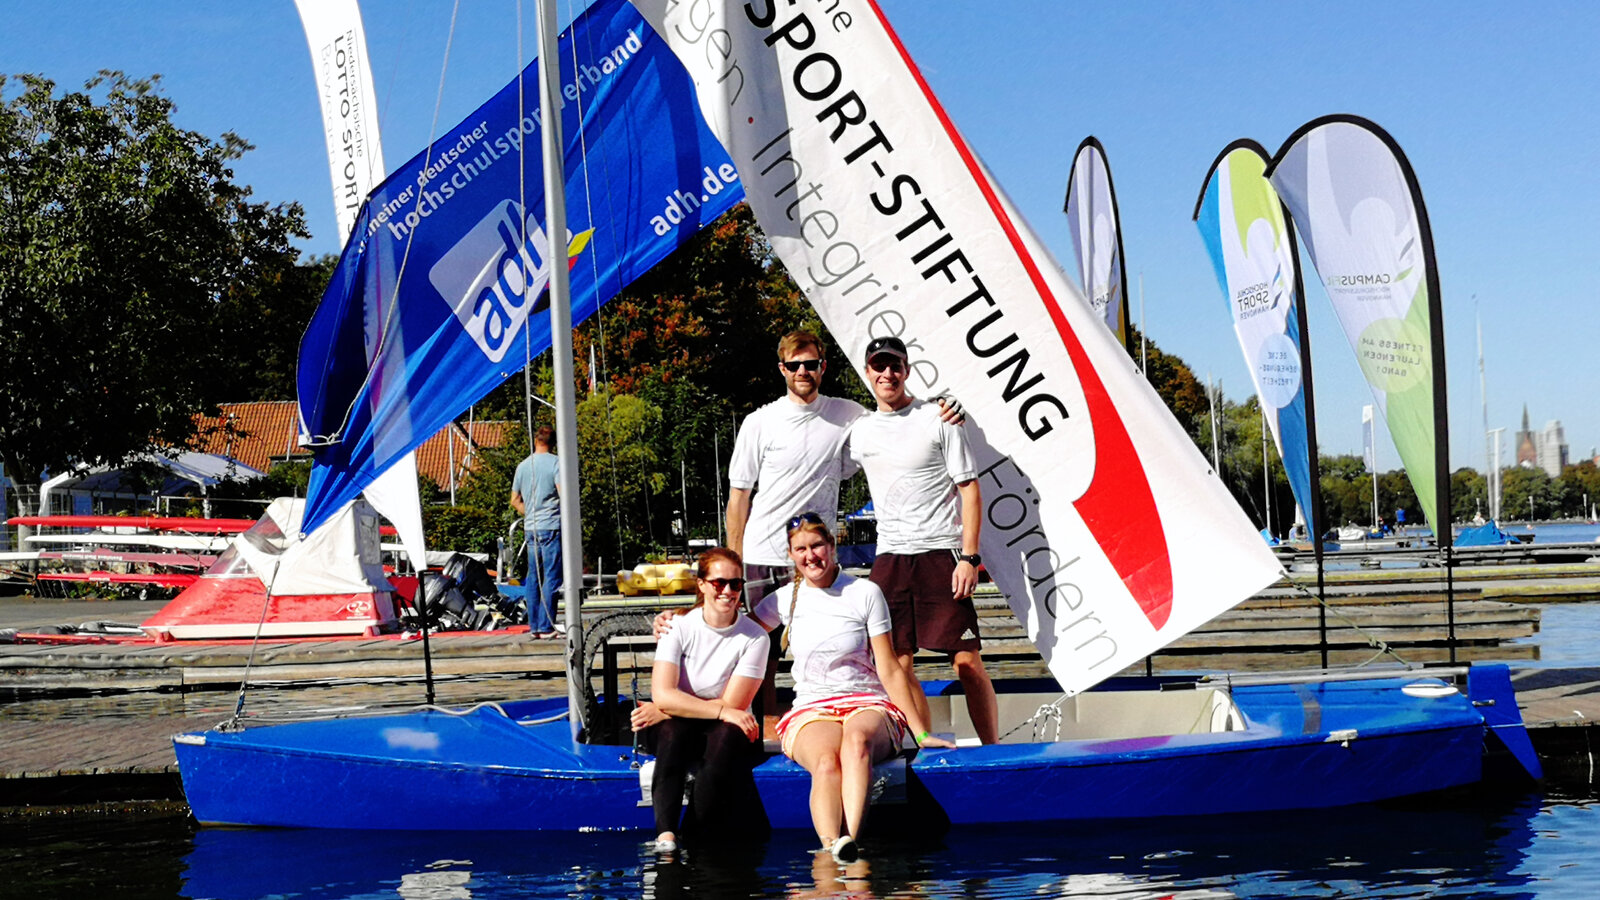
[[1477, 848]]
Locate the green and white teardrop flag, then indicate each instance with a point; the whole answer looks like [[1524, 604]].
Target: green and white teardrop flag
[[1091, 208], [1359, 212]]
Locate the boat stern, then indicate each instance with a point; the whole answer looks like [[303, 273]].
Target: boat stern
[[1508, 754]]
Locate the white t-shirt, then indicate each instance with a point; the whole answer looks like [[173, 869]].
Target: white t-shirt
[[707, 657], [792, 453], [913, 463], [830, 635]]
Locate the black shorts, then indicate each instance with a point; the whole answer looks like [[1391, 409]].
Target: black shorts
[[923, 613]]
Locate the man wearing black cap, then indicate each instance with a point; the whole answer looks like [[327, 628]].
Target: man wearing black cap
[[790, 448], [924, 486]]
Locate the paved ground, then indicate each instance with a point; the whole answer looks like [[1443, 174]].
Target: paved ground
[[29, 612]]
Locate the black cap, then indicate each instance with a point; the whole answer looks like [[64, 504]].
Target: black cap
[[892, 346]]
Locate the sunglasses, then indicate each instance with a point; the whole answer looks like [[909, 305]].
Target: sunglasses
[[886, 364], [795, 365], [722, 584], [804, 518]]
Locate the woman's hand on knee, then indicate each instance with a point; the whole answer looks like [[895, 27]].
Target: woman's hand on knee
[[742, 720], [646, 714]]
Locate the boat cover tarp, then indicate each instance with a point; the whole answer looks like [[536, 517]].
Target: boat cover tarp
[[331, 582], [1488, 534]]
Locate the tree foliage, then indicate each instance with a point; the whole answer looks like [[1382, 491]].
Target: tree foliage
[[622, 481], [1175, 382], [133, 266]]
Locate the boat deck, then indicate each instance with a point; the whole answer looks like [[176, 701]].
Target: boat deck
[[127, 753]]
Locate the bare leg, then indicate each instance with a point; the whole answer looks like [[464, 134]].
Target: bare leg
[[866, 740], [981, 703], [907, 663], [816, 748]]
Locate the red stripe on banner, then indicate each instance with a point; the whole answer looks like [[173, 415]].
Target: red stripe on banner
[[1118, 507]]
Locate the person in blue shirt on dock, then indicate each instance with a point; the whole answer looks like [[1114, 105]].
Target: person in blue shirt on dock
[[534, 494]]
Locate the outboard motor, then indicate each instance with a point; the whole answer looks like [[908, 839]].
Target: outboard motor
[[444, 606], [462, 597]]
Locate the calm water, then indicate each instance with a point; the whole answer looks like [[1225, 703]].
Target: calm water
[[1531, 846], [1558, 532]]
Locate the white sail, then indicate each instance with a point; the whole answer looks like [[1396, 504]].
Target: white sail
[[1101, 524], [355, 161]]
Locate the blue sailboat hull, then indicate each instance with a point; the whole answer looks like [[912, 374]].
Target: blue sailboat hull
[[1301, 746]]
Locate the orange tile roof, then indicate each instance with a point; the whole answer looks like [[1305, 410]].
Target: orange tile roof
[[264, 432], [434, 456]]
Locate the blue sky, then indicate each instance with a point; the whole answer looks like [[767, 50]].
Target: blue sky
[[1494, 103]]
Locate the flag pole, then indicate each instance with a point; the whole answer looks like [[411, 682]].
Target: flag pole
[[555, 224]]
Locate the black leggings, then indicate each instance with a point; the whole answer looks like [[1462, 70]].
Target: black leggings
[[724, 792]]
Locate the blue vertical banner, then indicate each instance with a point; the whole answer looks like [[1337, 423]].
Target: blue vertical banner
[[440, 293], [1251, 244]]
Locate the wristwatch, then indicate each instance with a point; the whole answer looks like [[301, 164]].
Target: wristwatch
[[973, 559]]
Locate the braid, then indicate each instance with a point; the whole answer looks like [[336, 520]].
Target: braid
[[794, 595]]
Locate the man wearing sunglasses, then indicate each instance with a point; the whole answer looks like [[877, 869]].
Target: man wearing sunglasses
[[791, 449], [923, 478]]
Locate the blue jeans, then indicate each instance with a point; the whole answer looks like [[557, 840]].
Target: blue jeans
[[544, 579]]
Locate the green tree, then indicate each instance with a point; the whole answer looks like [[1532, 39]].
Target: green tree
[[1184, 395], [260, 322], [1527, 492], [1469, 495], [126, 244], [1582, 484], [621, 474]]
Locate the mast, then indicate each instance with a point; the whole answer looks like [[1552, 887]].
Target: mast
[[1492, 484], [1266, 469], [1211, 395], [555, 225], [716, 468], [1316, 514], [1490, 458], [1142, 369], [1374, 476]]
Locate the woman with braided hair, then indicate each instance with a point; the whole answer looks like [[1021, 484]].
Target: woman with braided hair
[[852, 699]]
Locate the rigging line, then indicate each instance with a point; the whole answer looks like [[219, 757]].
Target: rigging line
[[611, 214], [522, 232], [393, 311], [232, 723], [1376, 643], [400, 54], [599, 310]]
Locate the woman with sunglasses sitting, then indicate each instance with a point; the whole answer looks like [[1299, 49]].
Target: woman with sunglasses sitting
[[707, 670], [852, 699]]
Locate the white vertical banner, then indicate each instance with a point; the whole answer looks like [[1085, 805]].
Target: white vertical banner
[[349, 109], [1101, 525], [1091, 208], [355, 162]]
